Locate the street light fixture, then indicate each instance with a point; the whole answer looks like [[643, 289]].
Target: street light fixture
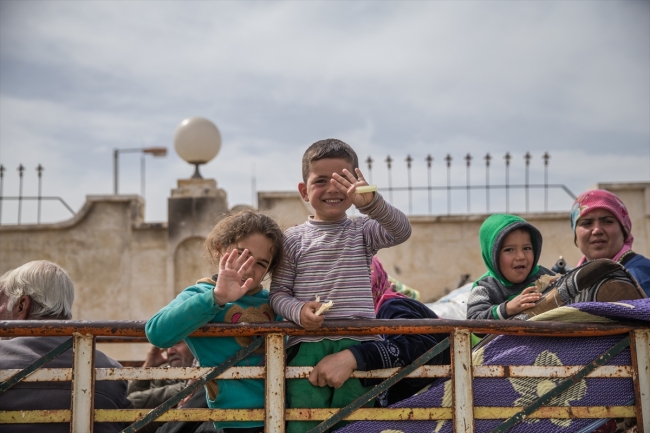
[[155, 151], [197, 141]]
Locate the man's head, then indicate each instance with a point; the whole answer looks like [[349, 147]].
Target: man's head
[[179, 355], [37, 290], [321, 160]]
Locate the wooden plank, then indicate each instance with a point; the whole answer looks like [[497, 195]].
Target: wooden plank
[[274, 384], [12, 328], [380, 414], [83, 384], [461, 370], [640, 351]]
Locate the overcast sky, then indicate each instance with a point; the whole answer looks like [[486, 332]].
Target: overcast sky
[[78, 79]]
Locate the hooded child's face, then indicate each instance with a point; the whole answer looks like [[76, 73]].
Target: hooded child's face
[[516, 256]]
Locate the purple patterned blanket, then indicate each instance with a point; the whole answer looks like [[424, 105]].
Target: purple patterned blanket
[[540, 351]]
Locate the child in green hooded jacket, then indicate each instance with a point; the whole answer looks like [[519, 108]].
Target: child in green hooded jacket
[[510, 247]]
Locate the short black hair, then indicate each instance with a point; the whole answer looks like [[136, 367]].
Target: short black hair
[[328, 148]]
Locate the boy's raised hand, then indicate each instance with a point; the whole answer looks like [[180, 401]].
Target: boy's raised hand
[[523, 301], [348, 185], [232, 268], [308, 317]]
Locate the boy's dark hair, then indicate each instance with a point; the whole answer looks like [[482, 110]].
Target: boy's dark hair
[[236, 226], [328, 148]]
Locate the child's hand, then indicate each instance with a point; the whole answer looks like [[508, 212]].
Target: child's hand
[[308, 318], [230, 285], [349, 184], [523, 301]]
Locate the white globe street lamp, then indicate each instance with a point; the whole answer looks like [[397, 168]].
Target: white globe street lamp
[[197, 141]]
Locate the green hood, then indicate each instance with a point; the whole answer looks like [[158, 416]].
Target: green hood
[[493, 230]]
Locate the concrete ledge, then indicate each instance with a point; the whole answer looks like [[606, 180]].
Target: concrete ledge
[[137, 212]]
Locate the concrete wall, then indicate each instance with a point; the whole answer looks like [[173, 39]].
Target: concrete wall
[[126, 269]]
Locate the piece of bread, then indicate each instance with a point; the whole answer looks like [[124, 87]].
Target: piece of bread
[[324, 307]]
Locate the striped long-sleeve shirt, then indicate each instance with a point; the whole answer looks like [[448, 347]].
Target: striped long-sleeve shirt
[[332, 260]]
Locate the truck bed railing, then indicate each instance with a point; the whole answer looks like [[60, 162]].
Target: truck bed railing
[[85, 334]]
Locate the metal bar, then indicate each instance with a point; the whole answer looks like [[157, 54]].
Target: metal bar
[[20, 375], [2, 182], [432, 371], [498, 186], [562, 386], [173, 401], [11, 328], [20, 191], [362, 414], [640, 351], [374, 392], [462, 383], [39, 198], [115, 164], [83, 384], [39, 169], [274, 385]]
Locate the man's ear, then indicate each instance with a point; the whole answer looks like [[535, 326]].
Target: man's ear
[[23, 308], [302, 189]]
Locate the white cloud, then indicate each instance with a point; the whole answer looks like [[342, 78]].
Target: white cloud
[[78, 79]]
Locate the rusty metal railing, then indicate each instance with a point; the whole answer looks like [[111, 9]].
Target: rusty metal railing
[[82, 415]]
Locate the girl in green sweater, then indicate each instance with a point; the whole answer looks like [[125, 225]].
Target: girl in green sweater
[[247, 246]]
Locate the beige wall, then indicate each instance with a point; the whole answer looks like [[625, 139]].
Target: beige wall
[[126, 269]]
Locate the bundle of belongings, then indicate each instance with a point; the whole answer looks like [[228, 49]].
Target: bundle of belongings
[[601, 291]]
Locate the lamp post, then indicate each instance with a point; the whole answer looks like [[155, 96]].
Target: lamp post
[[155, 151], [197, 141]]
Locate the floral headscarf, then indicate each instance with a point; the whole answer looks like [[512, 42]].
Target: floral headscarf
[[601, 199], [382, 288]]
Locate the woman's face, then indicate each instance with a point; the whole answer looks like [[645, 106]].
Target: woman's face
[[599, 235]]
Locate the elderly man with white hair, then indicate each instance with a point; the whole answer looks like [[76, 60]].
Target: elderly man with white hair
[[42, 290]]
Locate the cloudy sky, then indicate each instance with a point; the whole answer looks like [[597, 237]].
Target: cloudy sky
[[78, 79]]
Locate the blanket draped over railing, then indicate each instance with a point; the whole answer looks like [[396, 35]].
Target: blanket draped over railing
[[514, 391]]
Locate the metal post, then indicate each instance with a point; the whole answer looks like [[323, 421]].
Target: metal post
[[142, 175], [468, 159], [546, 157], [274, 417], [487, 159], [527, 157], [115, 156], [448, 158], [389, 160], [20, 190], [2, 180], [83, 384], [429, 159], [507, 158], [39, 169], [253, 188], [463, 394], [409, 160], [369, 161]]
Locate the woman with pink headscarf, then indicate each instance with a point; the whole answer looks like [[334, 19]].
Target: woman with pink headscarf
[[603, 230]]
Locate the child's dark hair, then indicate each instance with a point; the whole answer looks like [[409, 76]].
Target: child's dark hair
[[235, 227], [328, 148]]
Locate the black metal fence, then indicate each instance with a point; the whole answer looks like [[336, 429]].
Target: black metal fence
[[21, 198], [452, 190], [401, 193]]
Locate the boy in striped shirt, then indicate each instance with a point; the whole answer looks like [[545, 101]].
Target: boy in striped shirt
[[328, 258]]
